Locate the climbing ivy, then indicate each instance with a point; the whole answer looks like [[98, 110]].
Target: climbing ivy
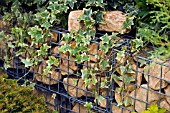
[[28, 24]]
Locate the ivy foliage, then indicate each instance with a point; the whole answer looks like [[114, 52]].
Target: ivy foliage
[[30, 21]]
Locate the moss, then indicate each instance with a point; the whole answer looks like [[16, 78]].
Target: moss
[[19, 99]]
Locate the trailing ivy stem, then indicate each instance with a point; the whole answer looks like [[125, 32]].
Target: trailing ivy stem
[[23, 76]]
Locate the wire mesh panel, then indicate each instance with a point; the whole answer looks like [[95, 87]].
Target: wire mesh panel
[[131, 83]]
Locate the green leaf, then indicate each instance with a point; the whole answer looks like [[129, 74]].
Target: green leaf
[[27, 62], [162, 110], [122, 69], [54, 111], [43, 49], [130, 69], [70, 3], [100, 98], [105, 39], [119, 103], [104, 63], [11, 45], [47, 70], [99, 17], [53, 61], [136, 44], [68, 37], [84, 73], [94, 81], [128, 79], [120, 55], [87, 17], [46, 25], [81, 58], [75, 81], [146, 111], [87, 81], [116, 78], [153, 108], [64, 48], [128, 23], [127, 101], [142, 62], [36, 34], [88, 105]]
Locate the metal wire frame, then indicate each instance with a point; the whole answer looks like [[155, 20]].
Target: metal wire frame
[[64, 102]]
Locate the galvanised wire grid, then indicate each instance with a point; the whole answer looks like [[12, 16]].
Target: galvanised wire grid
[[64, 96]]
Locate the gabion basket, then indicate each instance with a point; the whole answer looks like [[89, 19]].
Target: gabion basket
[[150, 83]]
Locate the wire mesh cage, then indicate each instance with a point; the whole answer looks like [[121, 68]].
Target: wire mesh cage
[[129, 86]]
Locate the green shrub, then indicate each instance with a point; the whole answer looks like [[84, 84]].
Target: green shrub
[[154, 109], [18, 99]]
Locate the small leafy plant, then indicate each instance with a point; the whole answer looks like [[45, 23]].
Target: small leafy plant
[[20, 99], [154, 109]]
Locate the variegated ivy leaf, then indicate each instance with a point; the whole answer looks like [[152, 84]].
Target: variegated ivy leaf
[[104, 63], [43, 49], [70, 3], [100, 98], [81, 58], [104, 84], [64, 48], [79, 38], [87, 81], [27, 62], [19, 52], [105, 39], [136, 44], [84, 73], [130, 69], [94, 81], [96, 3], [47, 70], [52, 61], [21, 44], [127, 101], [104, 48], [36, 34], [123, 69], [87, 40], [87, 17], [88, 105], [68, 37], [99, 17], [42, 17], [142, 62], [119, 103], [46, 25], [53, 5], [127, 79], [128, 23], [120, 55], [116, 78]]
